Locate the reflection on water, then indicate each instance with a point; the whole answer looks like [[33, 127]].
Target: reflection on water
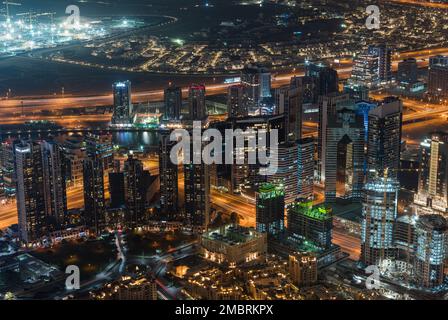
[[135, 140]]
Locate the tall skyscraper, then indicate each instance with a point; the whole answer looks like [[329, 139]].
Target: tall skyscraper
[[29, 191], [328, 106], [94, 201], [343, 159], [289, 103], [433, 174], [117, 190], [384, 136], [305, 149], [270, 209], [135, 191], [285, 159], [236, 105], [74, 153], [379, 214], [311, 224], [438, 77], [123, 109], [100, 146], [197, 109], [407, 71], [7, 167], [169, 192], [384, 55], [431, 250], [197, 193], [365, 71], [326, 79], [41, 193], [173, 103], [256, 82], [54, 183]]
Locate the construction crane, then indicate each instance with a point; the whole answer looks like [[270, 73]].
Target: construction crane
[[7, 4], [32, 15]]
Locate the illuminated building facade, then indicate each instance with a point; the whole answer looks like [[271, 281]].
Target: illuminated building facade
[[303, 269], [123, 109], [384, 55], [134, 176], [431, 233], [41, 190], [311, 224], [7, 167], [328, 106], [270, 209], [438, 77], [365, 71], [343, 162], [236, 105], [433, 174], [169, 191], [379, 214], [285, 159], [94, 197], [289, 103], [305, 166], [384, 137], [100, 146], [233, 244]]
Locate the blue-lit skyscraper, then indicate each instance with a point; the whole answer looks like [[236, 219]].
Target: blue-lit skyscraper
[[431, 250], [123, 110], [379, 214]]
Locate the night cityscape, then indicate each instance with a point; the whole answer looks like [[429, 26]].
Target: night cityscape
[[239, 150]]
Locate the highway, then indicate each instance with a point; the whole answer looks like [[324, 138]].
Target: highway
[[31, 105]]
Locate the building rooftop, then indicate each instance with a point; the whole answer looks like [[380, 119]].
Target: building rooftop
[[232, 234]]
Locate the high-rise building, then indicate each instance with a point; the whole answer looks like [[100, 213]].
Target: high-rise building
[[289, 102], [197, 193], [197, 109], [365, 71], [173, 103], [256, 82], [41, 193], [29, 191], [236, 105], [285, 159], [311, 224], [384, 55], [94, 197], [433, 174], [117, 190], [326, 79], [431, 233], [100, 146], [123, 109], [74, 153], [135, 191], [169, 191], [407, 71], [307, 85], [270, 209], [328, 106], [7, 167], [303, 269], [305, 164], [54, 183], [384, 137], [379, 215], [438, 77], [343, 159]]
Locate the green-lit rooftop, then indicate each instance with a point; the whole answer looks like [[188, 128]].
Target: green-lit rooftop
[[306, 208]]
